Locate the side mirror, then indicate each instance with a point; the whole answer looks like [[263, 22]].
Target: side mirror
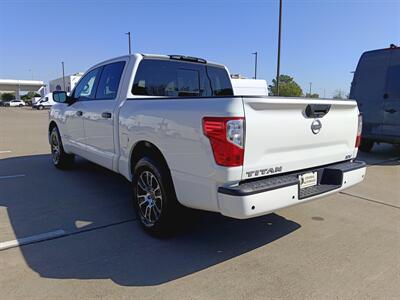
[[60, 97]]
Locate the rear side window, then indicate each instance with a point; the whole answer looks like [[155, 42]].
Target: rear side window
[[109, 81], [179, 79], [393, 81], [220, 81]]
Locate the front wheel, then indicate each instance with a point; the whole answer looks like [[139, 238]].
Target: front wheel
[[20, 105], [60, 158], [40, 107], [154, 198]]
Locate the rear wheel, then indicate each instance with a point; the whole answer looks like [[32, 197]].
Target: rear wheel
[[40, 107], [60, 158], [20, 105], [154, 198], [366, 145]]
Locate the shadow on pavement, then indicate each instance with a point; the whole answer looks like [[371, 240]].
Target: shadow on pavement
[[90, 197], [381, 154]]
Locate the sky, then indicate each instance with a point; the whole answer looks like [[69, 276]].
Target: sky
[[322, 40]]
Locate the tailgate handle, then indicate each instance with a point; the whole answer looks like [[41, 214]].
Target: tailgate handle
[[317, 110]]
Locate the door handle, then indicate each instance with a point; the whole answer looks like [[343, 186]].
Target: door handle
[[79, 113], [385, 95], [106, 115], [390, 111]]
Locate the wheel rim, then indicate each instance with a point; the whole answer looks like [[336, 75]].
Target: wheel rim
[[149, 198], [55, 148]]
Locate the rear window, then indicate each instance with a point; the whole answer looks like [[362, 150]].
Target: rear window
[[180, 79]]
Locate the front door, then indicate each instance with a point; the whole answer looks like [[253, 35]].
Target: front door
[[74, 134], [100, 117], [85, 91]]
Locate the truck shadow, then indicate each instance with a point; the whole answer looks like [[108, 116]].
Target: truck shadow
[[104, 241], [383, 154]]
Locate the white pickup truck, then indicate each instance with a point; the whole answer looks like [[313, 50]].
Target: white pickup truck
[[173, 127]]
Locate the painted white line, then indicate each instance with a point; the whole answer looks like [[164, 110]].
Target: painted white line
[[12, 176], [5, 151], [32, 239]]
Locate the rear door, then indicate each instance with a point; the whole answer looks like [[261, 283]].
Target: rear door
[[283, 134], [391, 110], [100, 116], [368, 89]]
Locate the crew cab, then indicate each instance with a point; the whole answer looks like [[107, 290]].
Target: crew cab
[[172, 126]]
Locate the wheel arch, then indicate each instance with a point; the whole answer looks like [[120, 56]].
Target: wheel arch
[[52, 125], [146, 148]]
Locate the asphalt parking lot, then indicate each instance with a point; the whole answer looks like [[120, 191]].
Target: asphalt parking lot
[[346, 246]]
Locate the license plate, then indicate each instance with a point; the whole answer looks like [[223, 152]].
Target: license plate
[[308, 179]]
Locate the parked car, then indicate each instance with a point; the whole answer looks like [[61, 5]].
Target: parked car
[[44, 102], [376, 87], [14, 103], [173, 127]]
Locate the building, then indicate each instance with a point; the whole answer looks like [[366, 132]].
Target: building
[[18, 86], [70, 81]]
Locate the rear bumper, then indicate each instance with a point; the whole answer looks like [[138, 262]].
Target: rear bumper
[[256, 198]]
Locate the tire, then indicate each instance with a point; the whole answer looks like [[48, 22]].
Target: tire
[[20, 105], [366, 145], [60, 159], [154, 198], [40, 107]]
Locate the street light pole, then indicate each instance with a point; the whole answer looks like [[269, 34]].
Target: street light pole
[[129, 41], [310, 88], [63, 75], [279, 47], [255, 64]]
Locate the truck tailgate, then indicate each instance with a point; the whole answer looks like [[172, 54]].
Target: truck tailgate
[[282, 134]]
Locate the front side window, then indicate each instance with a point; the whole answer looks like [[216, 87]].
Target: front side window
[[86, 88], [109, 80]]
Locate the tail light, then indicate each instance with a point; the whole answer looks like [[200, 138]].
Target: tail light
[[226, 136], [359, 130]]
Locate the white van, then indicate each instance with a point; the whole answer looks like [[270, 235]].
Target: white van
[[45, 102], [249, 87]]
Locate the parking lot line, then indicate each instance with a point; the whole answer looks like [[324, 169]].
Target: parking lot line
[[32, 239], [5, 151], [12, 176]]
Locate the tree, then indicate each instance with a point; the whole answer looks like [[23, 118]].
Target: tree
[[30, 95], [339, 95], [287, 87], [7, 96], [315, 95]]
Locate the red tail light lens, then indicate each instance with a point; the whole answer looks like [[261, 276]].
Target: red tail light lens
[[226, 136], [359, 130]]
